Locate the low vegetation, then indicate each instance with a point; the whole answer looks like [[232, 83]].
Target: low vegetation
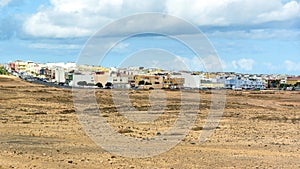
[[3, 71]]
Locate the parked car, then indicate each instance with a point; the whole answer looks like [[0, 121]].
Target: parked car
[[236, 88], [30, 79], [290, 88], [61, 84]]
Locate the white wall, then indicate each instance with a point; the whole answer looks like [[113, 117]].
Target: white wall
[[192, 81], [88, 77], [60, 76]]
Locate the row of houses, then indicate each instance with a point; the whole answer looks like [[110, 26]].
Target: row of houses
[[51, 72], [145, 78]]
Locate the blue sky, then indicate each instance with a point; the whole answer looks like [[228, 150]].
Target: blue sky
[[249, 36]]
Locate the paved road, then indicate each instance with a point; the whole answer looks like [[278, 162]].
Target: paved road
[[49, 84]]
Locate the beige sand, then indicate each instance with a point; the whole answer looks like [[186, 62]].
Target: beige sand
[[39, 129]]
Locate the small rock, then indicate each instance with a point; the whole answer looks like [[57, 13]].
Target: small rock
[[70, 161]]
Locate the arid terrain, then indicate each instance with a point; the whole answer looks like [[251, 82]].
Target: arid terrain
[[39, 128]]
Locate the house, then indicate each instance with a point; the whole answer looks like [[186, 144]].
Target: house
[[19, 66], [101, 77], [153, 81], [232, 82], [293, 80], [186, 79], [45, 73], [79, 77], [58, 74], [173, 82], [12, 67], [237, 82], [211, 83], [33, 68], [120, 82], [273, 83]]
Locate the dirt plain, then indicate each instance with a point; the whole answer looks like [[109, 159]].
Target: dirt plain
[[39, 128]]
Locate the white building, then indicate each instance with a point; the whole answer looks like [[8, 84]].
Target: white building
[[120, 82], [190, 81], [33, 68], [243, 83], [86, 77], [59, 74]]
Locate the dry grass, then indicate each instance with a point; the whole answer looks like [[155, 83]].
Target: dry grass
[[39, 128]]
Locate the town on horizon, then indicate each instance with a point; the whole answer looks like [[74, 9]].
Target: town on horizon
[[70, 74], [61, 63]]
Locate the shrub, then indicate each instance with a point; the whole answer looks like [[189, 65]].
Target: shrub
[[82, 83], [142, 82], [2, 71], [99, 85]]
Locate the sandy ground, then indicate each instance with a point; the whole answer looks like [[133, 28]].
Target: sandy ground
[[39, 128]]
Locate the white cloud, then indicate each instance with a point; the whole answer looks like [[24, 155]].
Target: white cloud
[[43, 25], [77, 18], [4, 2], [292, 66], [243, 64], [226, 12], [288, 11]]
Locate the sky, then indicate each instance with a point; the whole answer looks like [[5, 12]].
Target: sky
[[248, 36]]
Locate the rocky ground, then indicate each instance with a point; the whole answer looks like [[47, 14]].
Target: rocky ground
[[40, 128]]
